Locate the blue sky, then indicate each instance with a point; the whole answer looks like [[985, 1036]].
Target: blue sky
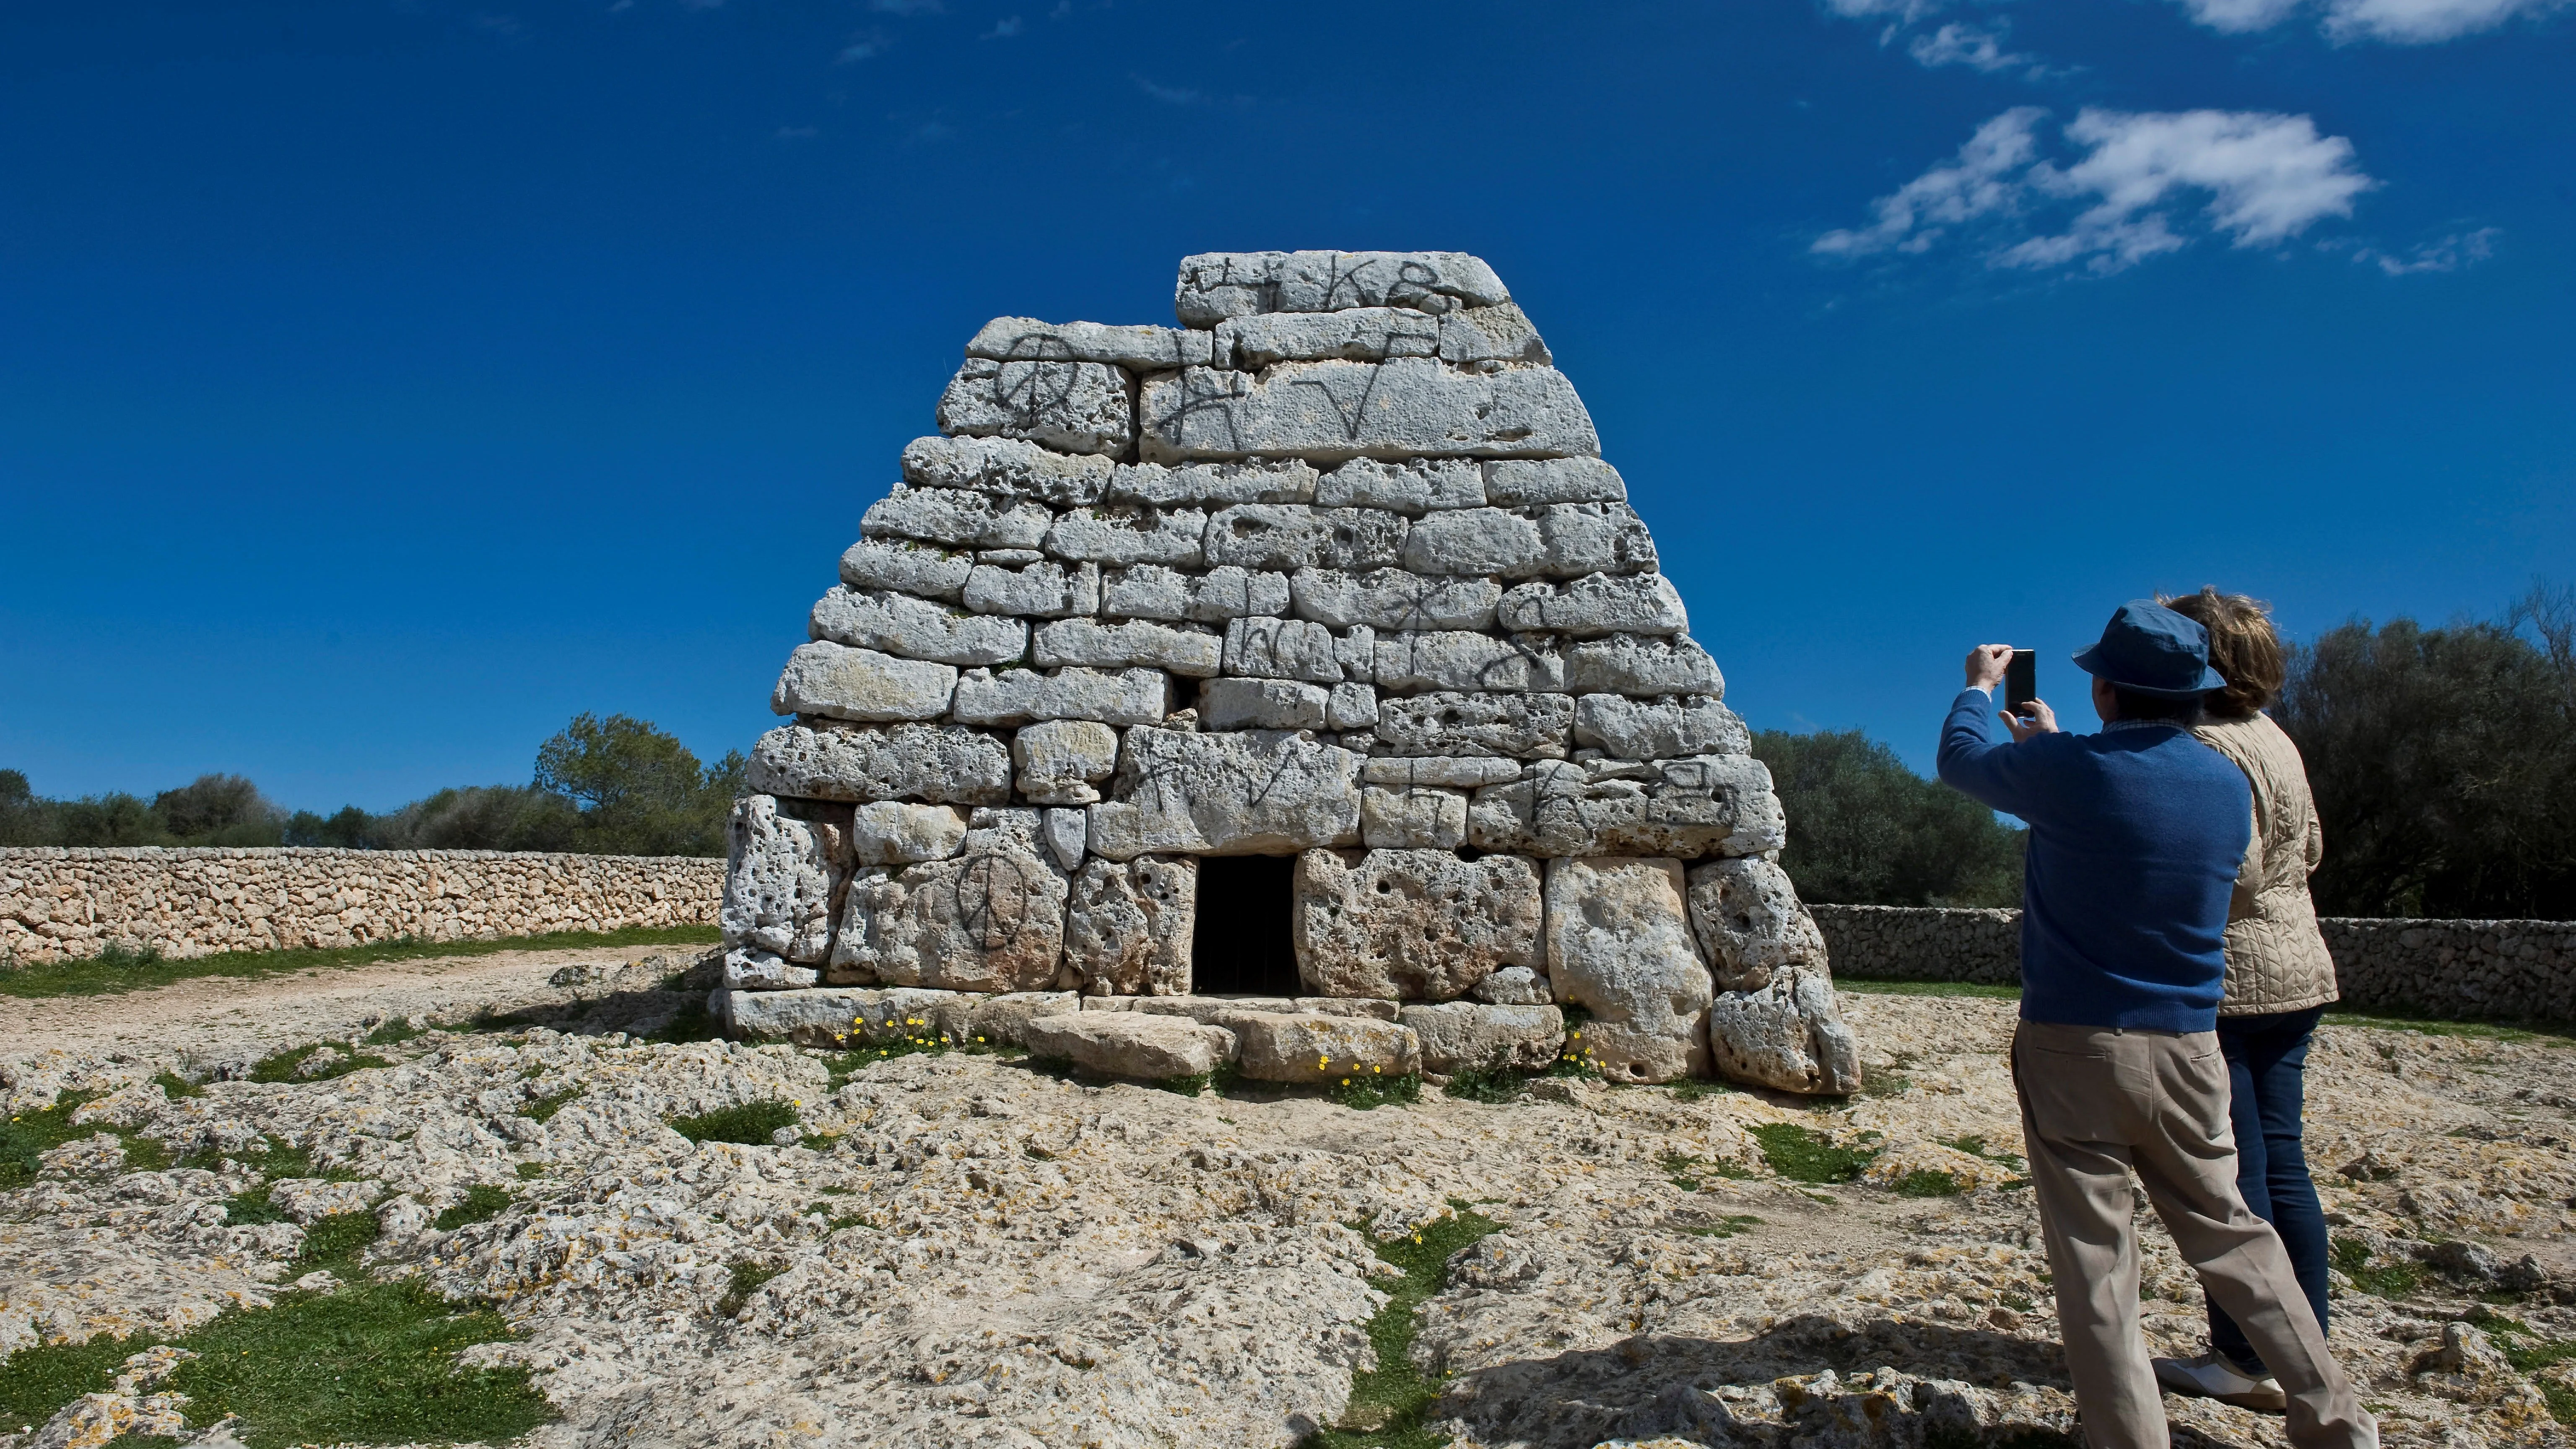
[[381, 384]]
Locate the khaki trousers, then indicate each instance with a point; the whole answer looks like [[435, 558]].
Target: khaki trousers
[[2097, 1103]]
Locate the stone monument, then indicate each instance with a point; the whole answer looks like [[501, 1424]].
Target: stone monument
[[1294, 688]]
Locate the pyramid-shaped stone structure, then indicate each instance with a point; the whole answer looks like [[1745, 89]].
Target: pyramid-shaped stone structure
[[1334, 572]]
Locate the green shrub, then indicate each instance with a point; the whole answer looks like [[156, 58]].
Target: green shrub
[[1364, 1093], [751, 1124], [1801, 1155]]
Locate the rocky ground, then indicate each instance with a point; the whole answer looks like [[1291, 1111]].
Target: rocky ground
[[961, 1249]]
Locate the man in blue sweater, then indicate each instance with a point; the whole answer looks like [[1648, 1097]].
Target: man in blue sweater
[[2136, 834]]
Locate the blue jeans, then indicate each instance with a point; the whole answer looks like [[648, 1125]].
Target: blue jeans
[[2267, 1059]]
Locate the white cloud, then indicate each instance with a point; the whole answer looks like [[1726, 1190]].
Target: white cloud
[[1003, 29], [2448, 254], [2235, 17], [2392, 22], [1956, 44], [2258, 177], [1169, 95]]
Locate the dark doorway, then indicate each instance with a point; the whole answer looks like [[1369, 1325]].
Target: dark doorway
[[1241, 945]]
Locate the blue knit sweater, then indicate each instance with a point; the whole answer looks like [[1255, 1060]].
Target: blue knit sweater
[[2135, 838]]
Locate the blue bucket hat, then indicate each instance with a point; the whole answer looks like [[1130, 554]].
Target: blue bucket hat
[[2150, 649]]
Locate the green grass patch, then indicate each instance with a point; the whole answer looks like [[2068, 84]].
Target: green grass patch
[[2529, 1353], [1725, 1227], [283, 1066], [482, 1203], [1491, 1085], [393, 1033], [1928, 1182], [1691, 1089], [36, 1381], [1388, 1403], [2391, 1280], [1363, 1094], [751, 1124], [548, 1105], [2553, 1033], [176, 1087], [531, 1171], [336, 1239], [746, 1280], [1927, 988], [27, 1136], [1802, 1155], [106, 974]]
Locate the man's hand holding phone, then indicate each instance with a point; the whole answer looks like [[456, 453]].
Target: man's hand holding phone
[[1990, 665]]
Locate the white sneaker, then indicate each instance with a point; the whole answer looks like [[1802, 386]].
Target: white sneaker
[[2213, 1377]]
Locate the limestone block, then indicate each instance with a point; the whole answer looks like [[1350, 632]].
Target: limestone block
[[1019, 696], [1750, 924], [1517, 483], [1129, 1044], [1358, 334], [1486, 337], [1009, 467], [1413, 487], [1074, 407], [1190, 650], [1330, 411], [1619, 945], [888, 832], [1595, 538], [1264, 704], [828, 1017], [957, 518], [1788, 1035], [906, 567], [1444, 770], [1138, 349], [1630, 664], [1512, 726], [1127, 927], [1228, 593], [784, 872], [1317, 1050], [1412, 817], [1597, 604], [1003, 1018], [1705, 805], [829, 760], [1039, 590], [1059, 761], [1513, 986], [749, 968], [1206, 1010], [1457, 660], [1356, 651], [1241, 792], [1488, 542], [1345, 1006], [1658, 729], [914, 628], [1412, 924], [991, 919], [1352, 707], [1130, 533], [1066, 835], [1285, 537], [1469, 1036], [1146, 591], [1217, 285], [1214, 484], [1264, 648], [861, 684], [1394, 598]]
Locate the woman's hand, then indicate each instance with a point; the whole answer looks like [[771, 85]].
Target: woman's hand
[[2040, 721]]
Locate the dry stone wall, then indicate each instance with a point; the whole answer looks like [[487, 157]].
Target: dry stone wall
[[58, 904], [1333, 570]]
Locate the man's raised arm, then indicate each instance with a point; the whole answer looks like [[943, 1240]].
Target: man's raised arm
[[1972, 760]]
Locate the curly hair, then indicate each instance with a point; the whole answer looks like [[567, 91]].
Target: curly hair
[[2242, 647]]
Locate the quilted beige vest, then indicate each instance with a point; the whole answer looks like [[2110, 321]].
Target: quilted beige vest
[[2276, 960]]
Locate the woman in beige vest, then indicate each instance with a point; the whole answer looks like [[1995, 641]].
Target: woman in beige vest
[[2279, 980]]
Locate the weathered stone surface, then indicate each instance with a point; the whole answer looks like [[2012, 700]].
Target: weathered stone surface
[[1066, 835], [1457, 660], [1130, 533], [1008, 558], [1597, 604], [1488, 337], [1595, 538], [1750, 924], [1630, 664], [1317, 1050], [1412, 817], [1074, 407], [1413, 487], [916, 628], [785, 866], [1060, 761], [1193, 651], [829, 760], [749, 968], [1151, 591], [1286, 537], [1513, 726], [1394, 598], [1619, 945], [861, 684], [1658, 729], [1018, 696], [1331, 411], [1242, 792], [1412, 924], [1513, 986], [957, 518], [830, 1017], [1358, 334], [1467, 1036], [1487, 542], [888, 832], [1127, 926], [906, 567], [1516, 483], [1264, 704], [1007, 466], [1214, 484], [1352, 707], [1039, 590], [1217, 285], [1265, 648], [991, 919], [1129, 1044], [1705, 805], [1138, 349], [1787, 1035], [1447, 770], [1003, 1018]]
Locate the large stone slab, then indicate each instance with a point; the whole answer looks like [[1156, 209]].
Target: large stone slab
[[1597, 604], [1787, 1035], [1331, 411], [1394, 598], [1138, 349], [1514, 986], [1443, 770], [1127, 926], [1194, 651], [1358, 334], [1511, 726], [1151, 591], [915, 628], [1214, 485], [839, 682], [1060, 762], [891, 832], [1003, 1018], [1312, 1049], [1635, 665], [1750, 924], [1498, 543], [1705, 805], [1619, 945], [958, 518], [1007, 466], [749, 968], [1019, 696], [1130, 533], [1595, 538], [991, 919], [906, 567], [1244, 792], [1491, 337], [1035, 590], [1285, 537], [1469, 1036], [1129, 1044], [1658, 729], [785, 866], [1264, 648], [1217, 285], [830, 760], [1414, 925], [1413, 487], [1412, 817], [1073, 407], [1460, 661], [832, 1017], [1264, 704], [1523, 483]]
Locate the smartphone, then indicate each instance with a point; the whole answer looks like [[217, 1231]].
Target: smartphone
[[2021, 680]]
